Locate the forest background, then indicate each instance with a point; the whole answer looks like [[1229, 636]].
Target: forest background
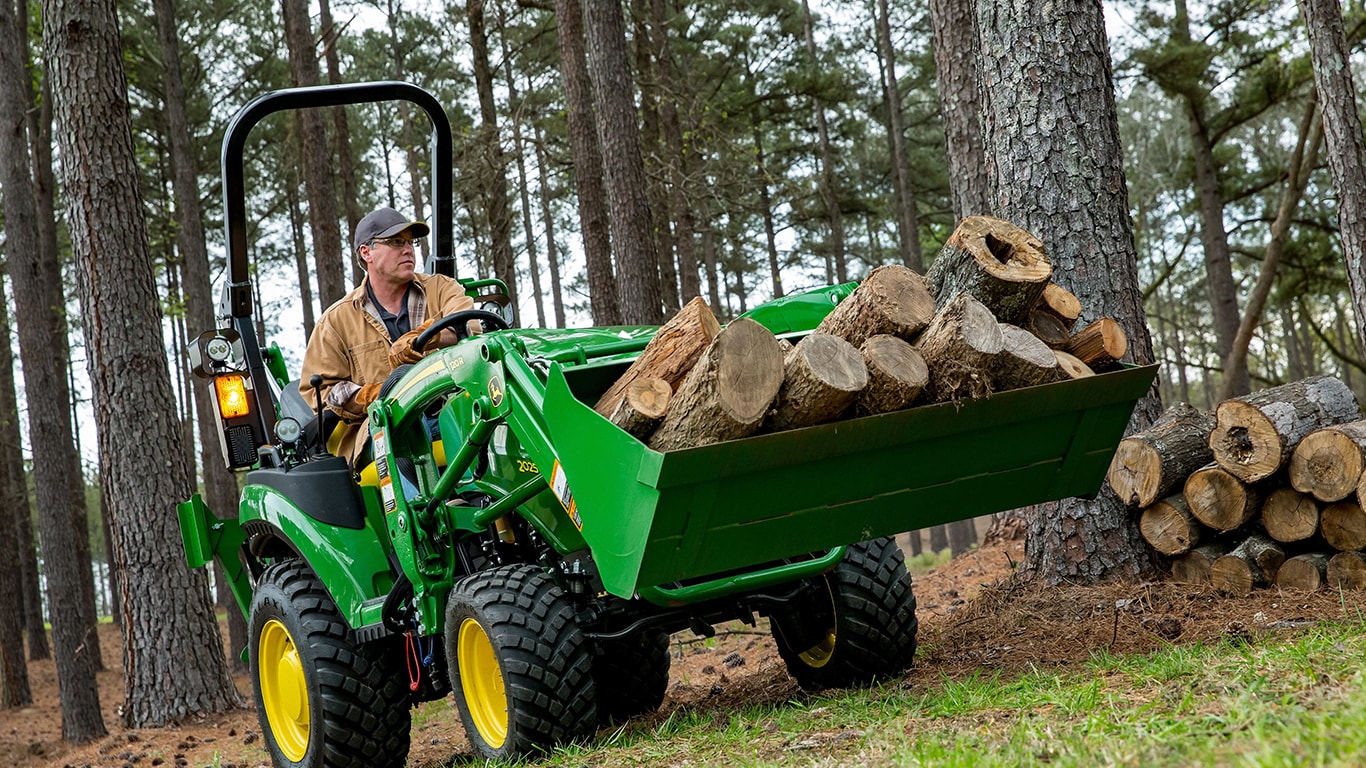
[[784, 146]]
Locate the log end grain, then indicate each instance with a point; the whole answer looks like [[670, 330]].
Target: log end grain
[[1347, 570], [1235, 576], [896, 375], [1100, 344], [1220, 500], [1288, 515], [1060, 302], [821, 377], [1002, 249], [1326, 463], [1135, 472], [1071, 367], [1306, 572], [1343, 525], [1169, 526], [893, 299], [1245, 442]]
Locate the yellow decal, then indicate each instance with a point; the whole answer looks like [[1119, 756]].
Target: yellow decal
[[527, 467], [496, 391], [559, 485]]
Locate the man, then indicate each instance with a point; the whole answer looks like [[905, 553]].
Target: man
[[360, 339]]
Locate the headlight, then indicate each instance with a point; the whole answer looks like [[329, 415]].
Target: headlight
[[288, 430]]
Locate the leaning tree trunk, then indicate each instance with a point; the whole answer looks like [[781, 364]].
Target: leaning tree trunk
[[173, 659], [1053, 152]]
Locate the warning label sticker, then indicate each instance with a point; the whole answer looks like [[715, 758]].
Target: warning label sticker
[[386, 482], [559, 485]]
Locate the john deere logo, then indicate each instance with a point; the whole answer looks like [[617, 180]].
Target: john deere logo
[[496, 391]]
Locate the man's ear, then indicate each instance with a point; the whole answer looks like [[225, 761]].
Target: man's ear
[[363, 255]]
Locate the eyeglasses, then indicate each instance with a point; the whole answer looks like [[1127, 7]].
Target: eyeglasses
[[394, 242]]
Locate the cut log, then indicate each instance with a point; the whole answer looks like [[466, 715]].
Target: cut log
[[1254, 434], [1220, 500], [1061, 303], [1194, 567], [672, 352], [1250, 565], [1100, 345], [958, 347], [896, 375], [1308, 572], [1328, 462], [1024, 361], [729, 391], [1343, 525], [1149, 464], [821, 377], [1048, 328], [1288, 515], [645, 403], [892, 299], [995, 262], [1347, 570], [1071, 367], [1170, 527]]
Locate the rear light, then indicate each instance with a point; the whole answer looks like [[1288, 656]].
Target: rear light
[[232, 396]]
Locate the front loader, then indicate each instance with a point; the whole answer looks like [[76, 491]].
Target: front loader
[[510, 546]]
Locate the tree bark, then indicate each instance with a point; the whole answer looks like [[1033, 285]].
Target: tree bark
[[766, 210], [628, 204], [962, 535], [316, 153], [173, 657], [1328, 462], [1051, 139], [14, 686], [341, 135], [1149, 464], [552, 256], [678, 154], [1343, 137], [727, 393], [997, 263], [959, 346], [515, 110], [1024, 361], [493, 169], [1254, 435], [903, 193], [891, 300], [670, 355], [1170, 527], [1290, 516], [829, 196], [958, 75], [822, 375], [896, 375], [586, 152], [1220, 500]]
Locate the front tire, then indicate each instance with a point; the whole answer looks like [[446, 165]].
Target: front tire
[[856, 626], [324, 700], [520, 667]]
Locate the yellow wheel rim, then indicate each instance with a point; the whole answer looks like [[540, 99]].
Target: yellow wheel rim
[[284, 689], [482, 683], [819, 654]]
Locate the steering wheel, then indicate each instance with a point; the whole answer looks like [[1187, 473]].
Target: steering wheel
[[490, 321]]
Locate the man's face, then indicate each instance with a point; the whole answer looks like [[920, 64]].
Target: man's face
[[390, 259]]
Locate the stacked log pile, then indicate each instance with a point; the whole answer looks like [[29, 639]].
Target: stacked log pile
[[969, 328], [1266, 490]]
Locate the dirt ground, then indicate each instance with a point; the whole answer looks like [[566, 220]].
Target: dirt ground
[[973, 618]]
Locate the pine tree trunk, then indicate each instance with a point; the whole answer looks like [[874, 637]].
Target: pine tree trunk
[[341, 135], [766, 204], [178, 669], [1049, 113], [14, 685], [957, 74], [829, 196], [552, 256], [907, 218], [493, 169], [677, 154], [515, 106]]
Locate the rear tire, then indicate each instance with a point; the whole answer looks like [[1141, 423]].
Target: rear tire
[[520, 667], [631, 674], [857, 625], [324, 700]]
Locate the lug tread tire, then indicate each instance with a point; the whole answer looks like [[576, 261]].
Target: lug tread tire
[[545, 660], [875, 622], [632, 675], [365, 714]]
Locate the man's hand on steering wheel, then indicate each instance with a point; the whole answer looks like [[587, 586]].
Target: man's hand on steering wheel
[[412, 346]]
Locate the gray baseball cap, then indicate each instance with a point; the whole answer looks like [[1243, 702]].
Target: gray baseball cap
[[385, 222]]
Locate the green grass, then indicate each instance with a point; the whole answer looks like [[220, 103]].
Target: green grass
[[1295, 701], [927, 561]]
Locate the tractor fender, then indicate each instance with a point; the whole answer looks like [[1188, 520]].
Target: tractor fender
[[352, 563]]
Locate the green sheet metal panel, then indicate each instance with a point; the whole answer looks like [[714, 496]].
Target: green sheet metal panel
[[655, 518]]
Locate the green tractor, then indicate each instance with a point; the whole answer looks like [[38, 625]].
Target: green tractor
[[512, 547]]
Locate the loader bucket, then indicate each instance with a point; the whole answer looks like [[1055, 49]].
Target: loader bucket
[[658, 519]]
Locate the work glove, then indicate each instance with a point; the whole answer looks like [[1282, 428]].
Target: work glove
[[353, 409], [401, 352]]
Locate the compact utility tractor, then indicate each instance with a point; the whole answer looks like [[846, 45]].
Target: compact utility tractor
[[512, 547]]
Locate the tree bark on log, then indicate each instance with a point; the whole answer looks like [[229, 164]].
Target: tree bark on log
[[670, 355], [1149, 464], [645, 403], [958, 347], [1220, 500], [727, 393], [1343, 525], [1170, 527], [1347, 570], [1071, 367], [1288, 515], [1194, 566], [1024, 361], [896, 375], [1061, 303], [822, 376], [1100, 345], [1251, 564], [1254, 435], [893, 299], [1328, 462], [994, 261], [1048, 328], [1308, 572]]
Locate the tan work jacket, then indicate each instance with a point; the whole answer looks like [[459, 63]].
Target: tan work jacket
[[350, 348]]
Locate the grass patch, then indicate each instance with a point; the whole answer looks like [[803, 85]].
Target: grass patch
[[1291, 700]]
